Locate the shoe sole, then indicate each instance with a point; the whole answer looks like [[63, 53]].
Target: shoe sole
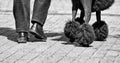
[[22, 40], [36, 35]]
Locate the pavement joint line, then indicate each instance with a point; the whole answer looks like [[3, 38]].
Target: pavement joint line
[[78, 55], [64, 55], [95, 51], [116, 58], [17, 51], [14, 52], [7, 49], [24, 55], [39, 53], [3, 45], [107, 51]]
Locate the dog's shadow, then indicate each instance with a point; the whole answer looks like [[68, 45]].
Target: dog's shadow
[[64, 39], [114, 36]]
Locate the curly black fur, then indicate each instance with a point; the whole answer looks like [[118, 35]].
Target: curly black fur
[[85, 35], [99, 5], [101, 30], [79, 33], [71, 27]]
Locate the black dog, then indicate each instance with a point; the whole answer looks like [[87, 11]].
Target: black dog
[[84, 34], [79, 33]]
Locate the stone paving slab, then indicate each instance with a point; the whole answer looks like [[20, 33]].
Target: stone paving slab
[[55, 50]]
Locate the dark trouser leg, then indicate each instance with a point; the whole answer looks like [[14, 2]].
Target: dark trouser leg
[[40, 11], [21, 11]]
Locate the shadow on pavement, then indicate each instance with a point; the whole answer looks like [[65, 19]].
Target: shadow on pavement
[[115, 36], [12, 35], [60, 38], [9, 33]]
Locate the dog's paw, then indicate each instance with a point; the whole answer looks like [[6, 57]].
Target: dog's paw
[[101, 30]]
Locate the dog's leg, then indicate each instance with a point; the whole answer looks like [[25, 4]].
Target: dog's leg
[[74, 9], [82, 14], [100, 28], [87, 8], [98, 16], [74, 13]]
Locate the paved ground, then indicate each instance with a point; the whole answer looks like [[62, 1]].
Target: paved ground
[[54, 50]]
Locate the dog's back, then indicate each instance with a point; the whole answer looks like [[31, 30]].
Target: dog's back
[[76, 4], [97, 5]]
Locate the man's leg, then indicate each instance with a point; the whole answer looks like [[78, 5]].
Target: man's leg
[[40, 12], [21, 11]]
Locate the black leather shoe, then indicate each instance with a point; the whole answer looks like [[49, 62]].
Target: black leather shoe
[[22, 38], [37, 31]]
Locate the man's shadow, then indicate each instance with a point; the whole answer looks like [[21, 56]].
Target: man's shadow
[[58, 36], [12, 35], [9, 33]]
